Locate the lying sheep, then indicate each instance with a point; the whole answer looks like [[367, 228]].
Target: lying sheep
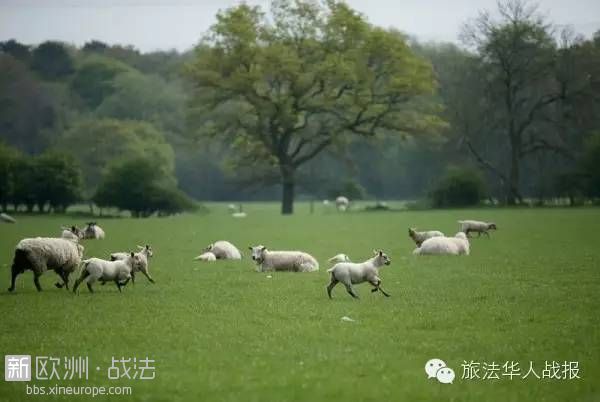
[[73, 233], [119, 271], [420, 237], [93, 231], [295, 261], [342, 203], [350, 273], [208, 256], [457, 245], [224, 250], [339, 258], [43, 253], [477, 226], [144, 253], [7, 218]]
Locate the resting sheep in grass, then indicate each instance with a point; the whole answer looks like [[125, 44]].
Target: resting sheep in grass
[[457, 245], [93, 231], [73, 233], [119, 271], [350, 273], [43, 253], [224, 250], [420, 237], [342, 203], [339, 258], [477, 226], [208, 256], [145, 252], [294, 261], [7, 218]]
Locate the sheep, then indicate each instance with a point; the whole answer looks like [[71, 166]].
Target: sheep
[[7, 218], [73, 233], [339, 258], [295, 261], [208, 256], [342, 203], [476, 226], [420, 237], [457, 245], [145, 252], [93, 231], [224, 250], [42, 253], [118, 271], [232, 208], [350, 273]]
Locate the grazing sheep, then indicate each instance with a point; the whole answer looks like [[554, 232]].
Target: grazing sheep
[[295, 261], [350, 273], [239, 215], [73, 233], [224, 250], [93, 231], [342, 203], [420, 237], [43, 253], [339, 258], [457, 245], [7, 218], [477, 226], [208, 256], [119, 271], [145, 252], [232, 208]]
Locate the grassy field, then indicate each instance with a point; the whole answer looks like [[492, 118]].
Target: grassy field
[[222, 332]]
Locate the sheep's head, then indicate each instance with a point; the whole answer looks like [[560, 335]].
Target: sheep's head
[[258, 253], [492, 225], [412, 232], [209, 247], [137, 262], [146, 249], [381, 258]]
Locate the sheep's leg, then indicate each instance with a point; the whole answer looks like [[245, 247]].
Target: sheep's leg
[[351, 291], [36, 281], [147, 276], [487, 234], [132, 278], [118, 285], [89, 286], [331, 285], [383, 291]]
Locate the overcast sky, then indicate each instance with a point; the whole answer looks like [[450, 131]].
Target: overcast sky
[[166, 24]]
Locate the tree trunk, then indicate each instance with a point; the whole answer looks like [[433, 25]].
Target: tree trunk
[[288, 183], [513, 195]]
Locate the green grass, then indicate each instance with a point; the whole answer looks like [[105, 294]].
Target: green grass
[[222, 332]]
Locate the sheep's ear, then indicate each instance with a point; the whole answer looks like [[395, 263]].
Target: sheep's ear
[[132, 253], [381, 253], [263, 248], [249, 247], [374, 251], [140, 247]]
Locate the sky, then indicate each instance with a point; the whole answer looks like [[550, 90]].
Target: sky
[[179, 24]]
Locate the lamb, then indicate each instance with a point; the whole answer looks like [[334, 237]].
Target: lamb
[[145, 252], [73, 233], [342, 203], [339, 258], [350, 273], [43, 253], [477, 226], [208, 256], [224, 250], [420, 237], [7, 218], [295, 261], [457, 245], [93, 231], [118, 271]]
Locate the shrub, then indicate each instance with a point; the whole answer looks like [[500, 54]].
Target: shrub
[[590, 163], [459, 187]]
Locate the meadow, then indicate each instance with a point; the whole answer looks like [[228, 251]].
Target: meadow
[[223, 332]]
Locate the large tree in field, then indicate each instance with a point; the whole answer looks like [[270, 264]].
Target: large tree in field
[[285, 88]]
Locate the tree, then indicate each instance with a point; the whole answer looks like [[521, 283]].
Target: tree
[[516, 54], [283, 92], [139, 186], [93, 81], [97, 143], [52, 61], [17, 50], [58, 181], [459, 187], [8, 157]]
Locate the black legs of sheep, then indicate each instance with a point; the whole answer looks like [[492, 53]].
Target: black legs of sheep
[[20, 263]]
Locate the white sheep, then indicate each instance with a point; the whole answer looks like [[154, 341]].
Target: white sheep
[[43, 253], [73, 233], [118, 271], [93, 231], [420, 237], [339, 258], [350, 273], [232, 208], [7, 218], [457, 245], [295, 261], [145, 253], [224, 250], [476, 226], [342, 203], [208, 256]]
